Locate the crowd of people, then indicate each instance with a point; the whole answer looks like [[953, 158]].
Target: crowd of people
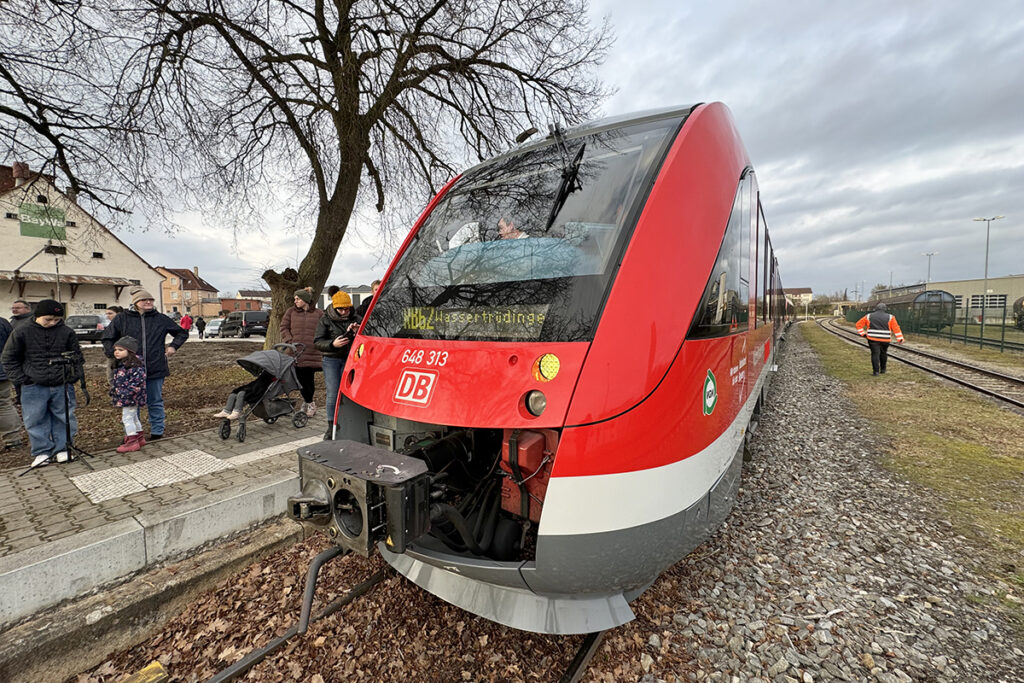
[[41, 362]]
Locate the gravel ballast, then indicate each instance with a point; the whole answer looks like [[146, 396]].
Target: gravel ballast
[[829, 568]]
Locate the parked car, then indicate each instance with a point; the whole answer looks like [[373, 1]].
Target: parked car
[[213, 328], [244, 324], [87, 327]]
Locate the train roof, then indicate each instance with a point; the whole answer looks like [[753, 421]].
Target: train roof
[[596, 126], [912, 297]]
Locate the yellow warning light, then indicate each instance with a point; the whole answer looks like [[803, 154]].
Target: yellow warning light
[[359, 351], [546, 367]]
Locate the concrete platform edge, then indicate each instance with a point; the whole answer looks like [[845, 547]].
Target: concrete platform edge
[[41, 577], [73, 638]]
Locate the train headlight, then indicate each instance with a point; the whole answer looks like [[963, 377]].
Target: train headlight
[[546, 367], [536, 402], [359, 351]]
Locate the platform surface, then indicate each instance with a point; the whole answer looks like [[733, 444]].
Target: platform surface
[[66, 529]]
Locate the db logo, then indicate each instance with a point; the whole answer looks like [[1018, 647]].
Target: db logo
[[415, 387]]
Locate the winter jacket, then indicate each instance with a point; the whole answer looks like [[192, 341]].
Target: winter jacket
[[17, 320], [150, 329], [128, 386], [186, 323], [5, 332], [331, 325], [879, 326], [299, 326], [362, 308], [31, 349]]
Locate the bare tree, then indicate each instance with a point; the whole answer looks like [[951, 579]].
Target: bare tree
[[60, 61], [334, 103]]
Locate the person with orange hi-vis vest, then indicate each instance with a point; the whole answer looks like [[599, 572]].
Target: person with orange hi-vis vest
[[879, 327]]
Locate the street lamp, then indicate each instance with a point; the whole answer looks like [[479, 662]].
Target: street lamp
[[984, 289], [928, 279]]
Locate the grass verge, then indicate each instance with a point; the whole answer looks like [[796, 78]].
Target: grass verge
[[965, 449]]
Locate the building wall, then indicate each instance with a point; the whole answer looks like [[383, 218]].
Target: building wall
[[83, 237], [1011, 287], [241, 305]]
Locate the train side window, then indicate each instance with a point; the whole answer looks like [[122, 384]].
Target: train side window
[[724, 307]]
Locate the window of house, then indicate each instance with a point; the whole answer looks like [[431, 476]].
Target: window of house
[[42, 199], [70, 224], [188, 295], [959, 300], [99, 307], [11, 215], [174, 295], [237, 305], [97, 254], [174, 280], [135, 282]]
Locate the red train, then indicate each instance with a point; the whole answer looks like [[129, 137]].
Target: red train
[[547, 403]]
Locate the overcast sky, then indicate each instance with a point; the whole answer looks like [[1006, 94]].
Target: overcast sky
[[878, 130]]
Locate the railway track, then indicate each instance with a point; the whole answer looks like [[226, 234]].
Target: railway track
[[1002, 387], [573, 673]]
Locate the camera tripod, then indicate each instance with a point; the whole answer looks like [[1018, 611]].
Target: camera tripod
[[72, 450]]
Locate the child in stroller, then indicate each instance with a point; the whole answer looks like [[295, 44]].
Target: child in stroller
[[268, 395], [250, 393]]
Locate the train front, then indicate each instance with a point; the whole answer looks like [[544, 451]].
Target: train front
[[459, 386]]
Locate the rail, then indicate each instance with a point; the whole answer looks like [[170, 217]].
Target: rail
[[1003, 387]]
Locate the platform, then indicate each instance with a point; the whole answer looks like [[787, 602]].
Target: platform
[[68, 529]]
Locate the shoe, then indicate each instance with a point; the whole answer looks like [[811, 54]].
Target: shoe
[[142, 439], [154, 437], [311, 409], [327, 434], [882, 371], [130, 444], [235, 414], [222, 413], [875, 373], [62, 456], [40, 461]]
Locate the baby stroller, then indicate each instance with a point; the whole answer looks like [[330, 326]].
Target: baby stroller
[[275, 402]]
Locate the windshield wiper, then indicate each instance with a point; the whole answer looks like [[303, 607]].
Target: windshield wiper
[[570, 178]]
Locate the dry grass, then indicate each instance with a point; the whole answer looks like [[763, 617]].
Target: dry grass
[[965, 449]]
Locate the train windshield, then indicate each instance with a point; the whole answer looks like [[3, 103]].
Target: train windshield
[[524, 249]]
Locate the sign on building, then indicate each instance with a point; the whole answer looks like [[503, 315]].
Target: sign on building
[[42, 220]]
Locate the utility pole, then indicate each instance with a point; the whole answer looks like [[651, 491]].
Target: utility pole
[[928, 279], [984, 289]]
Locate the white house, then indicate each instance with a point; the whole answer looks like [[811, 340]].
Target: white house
[[54, 249]]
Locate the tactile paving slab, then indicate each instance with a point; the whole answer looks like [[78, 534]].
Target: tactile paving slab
[[197, 463], [107, 484]]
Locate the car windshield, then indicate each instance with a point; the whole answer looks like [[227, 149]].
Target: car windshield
[[524, 248]]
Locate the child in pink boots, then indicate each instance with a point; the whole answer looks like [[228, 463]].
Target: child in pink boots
[[128, 391]]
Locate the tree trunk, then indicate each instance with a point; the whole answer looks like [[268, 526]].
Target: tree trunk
[[331, 224]]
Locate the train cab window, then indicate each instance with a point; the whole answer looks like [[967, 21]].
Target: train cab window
[[724, 308], [525, 247]]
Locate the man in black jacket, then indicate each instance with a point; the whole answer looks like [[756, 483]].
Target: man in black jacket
[[44, 357], [151, 328]]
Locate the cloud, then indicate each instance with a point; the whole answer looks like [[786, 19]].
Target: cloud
[[878, 130]]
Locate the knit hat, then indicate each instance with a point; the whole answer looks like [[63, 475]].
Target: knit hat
[[341, 300], [140, 294], [305, 295], [128, 344], [51, 307]]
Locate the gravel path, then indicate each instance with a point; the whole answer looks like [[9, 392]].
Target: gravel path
[[830, 567]]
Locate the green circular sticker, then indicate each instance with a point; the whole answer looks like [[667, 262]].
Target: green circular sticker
[[710, 393]]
